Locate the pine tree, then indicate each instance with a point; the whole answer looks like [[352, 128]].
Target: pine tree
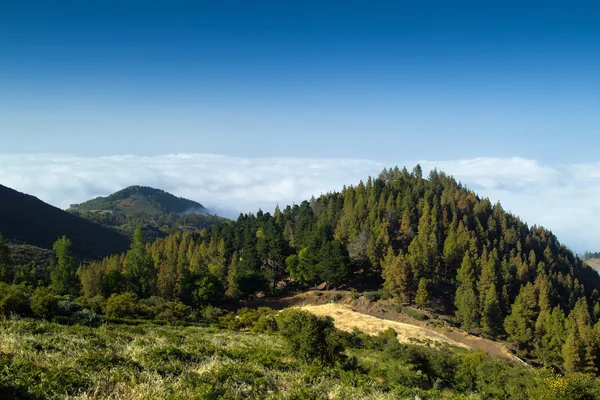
[[465, 300], [573, 352], [491, 316], [397, 275], [422, 297], [520, 324], [232, 290]]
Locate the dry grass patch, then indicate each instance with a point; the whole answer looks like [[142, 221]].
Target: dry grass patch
[[346, 319]]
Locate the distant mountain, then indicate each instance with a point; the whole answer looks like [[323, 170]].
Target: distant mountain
[[156, 211], [135, 200], [27, 219]]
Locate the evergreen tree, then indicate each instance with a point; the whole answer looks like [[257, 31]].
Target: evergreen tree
[[520, 324], [573, 352], [232, 290], [397, 277], [491, 316], [422, 297], [63, 275], [465, 300]]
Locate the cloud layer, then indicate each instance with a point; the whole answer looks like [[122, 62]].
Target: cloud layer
[[564, 198]]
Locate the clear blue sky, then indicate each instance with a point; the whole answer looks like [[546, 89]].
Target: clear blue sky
[[381, 80]]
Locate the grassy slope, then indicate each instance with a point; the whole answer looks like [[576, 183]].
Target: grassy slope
[[141, 362]]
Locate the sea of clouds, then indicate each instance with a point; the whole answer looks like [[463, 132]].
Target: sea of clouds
[[563, 198]]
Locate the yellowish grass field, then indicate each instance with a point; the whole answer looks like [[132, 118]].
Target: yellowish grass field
[[346, 319]]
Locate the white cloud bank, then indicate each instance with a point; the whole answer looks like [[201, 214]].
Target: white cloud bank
[[564, 198]]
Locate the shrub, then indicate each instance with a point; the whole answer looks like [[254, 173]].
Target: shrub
[[311, 338], [121, 305], [66, 308], [14, 299], [211, 314], [336, 297], [416, 315], [372, 296], [44, 303], [354, 293]]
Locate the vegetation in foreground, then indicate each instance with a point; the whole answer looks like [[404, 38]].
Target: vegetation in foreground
[[291, 355]]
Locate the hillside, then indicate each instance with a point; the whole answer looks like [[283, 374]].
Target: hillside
[[156, 211], [26, 219], [428, 242], [135, 200]]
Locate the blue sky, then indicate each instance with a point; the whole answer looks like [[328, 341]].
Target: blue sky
[[245, 104], [379, 80]]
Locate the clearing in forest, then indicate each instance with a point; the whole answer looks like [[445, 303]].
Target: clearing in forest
[[346, 319]]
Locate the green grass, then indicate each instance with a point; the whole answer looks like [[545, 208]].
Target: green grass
[[40, 359]]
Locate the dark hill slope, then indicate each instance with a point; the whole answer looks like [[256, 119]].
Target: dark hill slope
[[26, 219], [141, 200]]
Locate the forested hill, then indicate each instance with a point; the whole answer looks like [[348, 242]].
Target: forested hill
[[26, 219], [500, 277], [141, 200], [157, 211]]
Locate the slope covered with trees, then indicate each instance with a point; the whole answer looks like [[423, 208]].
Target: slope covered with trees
[[26, 219], [141, 199], [157, 211], [429, 240]]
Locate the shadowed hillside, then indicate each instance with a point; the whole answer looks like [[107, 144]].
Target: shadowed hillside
[[26, 219]]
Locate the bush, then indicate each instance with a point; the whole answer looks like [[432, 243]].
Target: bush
[[372, 296], [121, 305], [44, 303], [415, 314], [354, 294], [86, 317], [336, 297], [14, 299], [95, 304], [66, 308], [311, 338], [211, 314]]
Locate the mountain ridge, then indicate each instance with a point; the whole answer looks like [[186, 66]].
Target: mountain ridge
[[138, 199], [26, 219]]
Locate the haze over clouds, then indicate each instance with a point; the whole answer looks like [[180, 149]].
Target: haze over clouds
[[563, 198]]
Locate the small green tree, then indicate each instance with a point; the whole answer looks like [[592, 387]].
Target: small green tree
[[14, 299], [43, 302], [121, 305], [311, 338], [63, 275], [422, 298]]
